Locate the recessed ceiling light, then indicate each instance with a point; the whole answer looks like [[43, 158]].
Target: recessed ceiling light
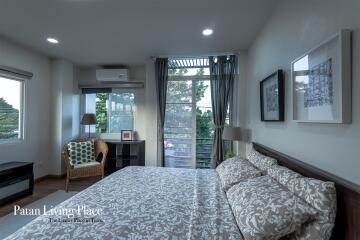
[[207, 32], [52, 40]]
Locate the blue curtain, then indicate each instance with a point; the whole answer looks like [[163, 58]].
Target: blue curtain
[[161, 76], [222, 75]]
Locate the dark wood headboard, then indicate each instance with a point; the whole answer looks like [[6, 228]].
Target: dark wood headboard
[[347, 224]]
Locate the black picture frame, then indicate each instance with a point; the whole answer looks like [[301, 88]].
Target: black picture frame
[[278, 77]]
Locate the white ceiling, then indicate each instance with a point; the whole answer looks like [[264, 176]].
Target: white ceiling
[[98, 32]]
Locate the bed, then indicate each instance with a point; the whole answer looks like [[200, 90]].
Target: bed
[[348, 194], [143, 203], [166, 203]]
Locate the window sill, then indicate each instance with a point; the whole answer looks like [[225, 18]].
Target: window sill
[[12, 142], [101, 135]]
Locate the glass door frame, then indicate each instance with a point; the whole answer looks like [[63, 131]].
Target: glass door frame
[[192, 78]]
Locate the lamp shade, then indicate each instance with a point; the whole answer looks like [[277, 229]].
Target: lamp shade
[[232, 133], [88, 119]]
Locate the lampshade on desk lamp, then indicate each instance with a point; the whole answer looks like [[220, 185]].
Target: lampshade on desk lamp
[[232, 133], [88, 119]]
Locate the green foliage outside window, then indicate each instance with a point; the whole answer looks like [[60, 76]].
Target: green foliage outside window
[[101, 112], [9, 121], [204, 124], [119, 106], [204, 117], [180, 92]]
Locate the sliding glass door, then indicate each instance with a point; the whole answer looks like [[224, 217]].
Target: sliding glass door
[[188, 119], [179, 124], [204, 124]]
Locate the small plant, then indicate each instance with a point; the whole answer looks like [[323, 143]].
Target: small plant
[[229, 154]]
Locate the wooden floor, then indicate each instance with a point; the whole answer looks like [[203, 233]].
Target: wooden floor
[[46, 187]]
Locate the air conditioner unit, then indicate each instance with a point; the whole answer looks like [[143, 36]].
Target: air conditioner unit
[[112, 75]]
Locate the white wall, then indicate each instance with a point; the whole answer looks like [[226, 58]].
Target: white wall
[[36, 147], [239, 102], [151, 147], [65, 112], [294, 28], [76, 104]]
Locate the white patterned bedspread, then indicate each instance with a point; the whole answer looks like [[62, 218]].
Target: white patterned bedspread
[[144, 203]]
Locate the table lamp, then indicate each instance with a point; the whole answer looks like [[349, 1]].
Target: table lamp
[[88, 119], [232, 133]]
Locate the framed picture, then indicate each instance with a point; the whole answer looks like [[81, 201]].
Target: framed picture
[[321, 82], [126, 135], [272, 97]]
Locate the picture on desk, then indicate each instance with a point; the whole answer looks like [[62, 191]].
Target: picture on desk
[[127, 135]]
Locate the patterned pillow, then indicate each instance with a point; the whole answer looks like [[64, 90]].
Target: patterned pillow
[[264, 210], [234, 170], [319, 194], [322, 196], [261, 161], [284, 176], [81, 152]]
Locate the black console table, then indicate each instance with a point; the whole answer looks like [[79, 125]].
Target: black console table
[[16, 180], [124, 153]]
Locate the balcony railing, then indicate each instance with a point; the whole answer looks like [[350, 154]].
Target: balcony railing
[[178, 152], [203, 152]]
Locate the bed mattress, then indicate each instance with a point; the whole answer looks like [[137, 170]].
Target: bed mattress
[[141, 203]]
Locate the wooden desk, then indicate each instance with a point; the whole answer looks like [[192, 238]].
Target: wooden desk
[[124, 153]]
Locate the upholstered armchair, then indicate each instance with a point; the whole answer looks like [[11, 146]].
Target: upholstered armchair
[[88, 169]]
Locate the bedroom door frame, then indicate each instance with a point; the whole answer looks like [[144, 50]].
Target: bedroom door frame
[[193, 116]]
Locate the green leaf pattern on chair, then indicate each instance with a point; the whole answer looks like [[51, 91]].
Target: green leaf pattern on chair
[[81, 152]]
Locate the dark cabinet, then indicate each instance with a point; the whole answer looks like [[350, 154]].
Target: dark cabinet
[[124, 153], [16, 180]]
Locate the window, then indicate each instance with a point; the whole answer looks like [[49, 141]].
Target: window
[[189, 127], [179, 124], [11, 109], [114, 111]]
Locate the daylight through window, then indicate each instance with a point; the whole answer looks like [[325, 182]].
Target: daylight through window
[[11, 109], [114, 111], [189, 127]]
